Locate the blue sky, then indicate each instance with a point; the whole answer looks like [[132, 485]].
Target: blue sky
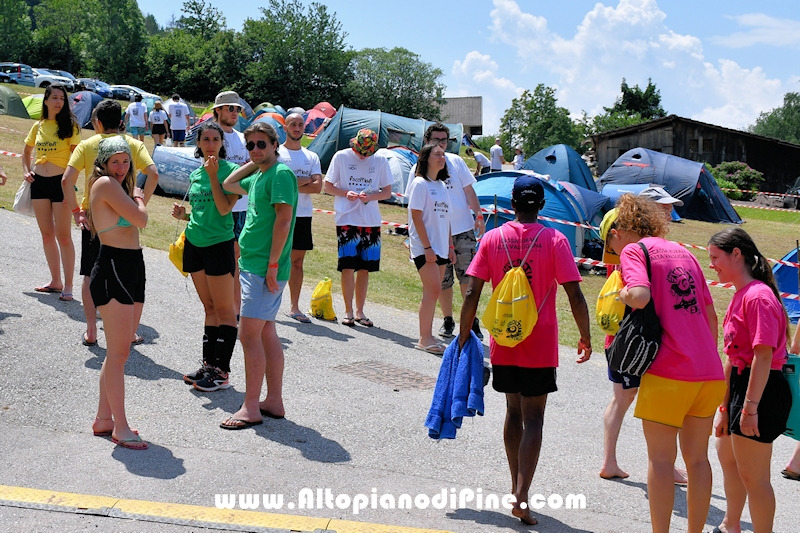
[[716, 61]]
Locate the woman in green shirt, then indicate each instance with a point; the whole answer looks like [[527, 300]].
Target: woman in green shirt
[[208, 256]]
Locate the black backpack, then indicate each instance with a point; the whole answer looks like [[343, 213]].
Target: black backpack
[[636, 343]]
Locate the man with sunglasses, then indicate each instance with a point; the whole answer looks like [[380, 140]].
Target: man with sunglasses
[[464, 228], [265, 266]]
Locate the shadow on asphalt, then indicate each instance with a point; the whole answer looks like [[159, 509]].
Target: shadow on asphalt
[[73, 309], [315, 328], [138, 365], [3, 316], [379, 333], [156, 462], [307, 441], [499, 519]]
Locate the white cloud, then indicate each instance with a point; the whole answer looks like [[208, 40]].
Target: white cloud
[[763, 29]]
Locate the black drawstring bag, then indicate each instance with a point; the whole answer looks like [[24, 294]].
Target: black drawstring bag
[[636, 343]]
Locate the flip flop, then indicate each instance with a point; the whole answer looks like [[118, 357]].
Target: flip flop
[[788, 474], [137, 339], [65, 296], [366, 322], [48, 288], [300, 317], [237, 423], [107, 433], [131, 444], [435, 349], [264, 412], [349, 322], [87, 342]]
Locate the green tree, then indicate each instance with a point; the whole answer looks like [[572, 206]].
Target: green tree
[[14, 30], [201, 19], [116, 40], [151, 25], [395, 81], [296, 56], [58, 37], [633, 100], [535, 121], [782, 122]]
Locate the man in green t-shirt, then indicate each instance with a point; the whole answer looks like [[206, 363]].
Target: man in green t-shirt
[[264, 265]]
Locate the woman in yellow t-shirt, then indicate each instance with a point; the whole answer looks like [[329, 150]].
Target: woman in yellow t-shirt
[[53, 139]]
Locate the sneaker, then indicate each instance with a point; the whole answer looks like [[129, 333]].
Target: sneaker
[[197, 375], [448, 326], [476, 328], [215, 379]]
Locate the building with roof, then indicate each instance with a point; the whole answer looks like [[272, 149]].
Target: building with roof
[[466, 110]]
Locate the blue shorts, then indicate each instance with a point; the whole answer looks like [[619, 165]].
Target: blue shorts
[[257, 301], [137, 130], [359, 248], [239, 218], [178, 135]]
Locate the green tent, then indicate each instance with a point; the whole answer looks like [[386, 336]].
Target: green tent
[[33, 104], [11, 103]]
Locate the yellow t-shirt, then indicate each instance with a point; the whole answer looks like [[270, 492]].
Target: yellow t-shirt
[[49, 148], [85, 154]]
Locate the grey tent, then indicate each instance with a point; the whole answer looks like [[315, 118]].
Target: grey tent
[[11, 103]]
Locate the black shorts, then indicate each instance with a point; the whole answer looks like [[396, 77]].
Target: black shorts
[[47, 188], [773, 407], [302, 234], [525, 381], [90, 249], [239, 218], [158, 129], [118, 275], [626, 380], [215, 260], [485, 170], [420, 261], [179, 135]]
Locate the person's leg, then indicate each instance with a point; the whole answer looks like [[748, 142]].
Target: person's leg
[[753, 459], [237, 288], [348, 288], [528, 457], [221, 292], [273, 350], [621, 400], [210, 323], [446, 301], [44, 218], [694, 447], [735, 493], [255, 365], [362, 283], [662, 448], [89, 311], [512, 435], [431, 276], [794, 463], [63, 231], [296, 280]]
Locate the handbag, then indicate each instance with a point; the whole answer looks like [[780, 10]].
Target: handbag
[[322, 301], [610, 310], [22, 200], [636, 344]]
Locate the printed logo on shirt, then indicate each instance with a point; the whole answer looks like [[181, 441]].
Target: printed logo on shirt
[[684, 289], [352, 167], [441, 208], [372, 170]]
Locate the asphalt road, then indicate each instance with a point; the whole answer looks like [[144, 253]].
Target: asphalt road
[[343, 432]]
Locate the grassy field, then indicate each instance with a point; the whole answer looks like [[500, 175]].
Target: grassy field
[[397, 284]]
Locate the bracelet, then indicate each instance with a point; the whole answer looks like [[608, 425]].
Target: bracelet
[[273, 265], [748, 414], [428, 248], [138, 197], [452, 247], [76, 210], [723, 409], [751, 401]]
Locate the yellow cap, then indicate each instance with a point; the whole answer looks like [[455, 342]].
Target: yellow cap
[[609, 256]]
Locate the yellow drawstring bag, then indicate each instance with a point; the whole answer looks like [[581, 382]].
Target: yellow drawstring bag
[[512, 313], [322, 301], [176, 252], [610, 310]]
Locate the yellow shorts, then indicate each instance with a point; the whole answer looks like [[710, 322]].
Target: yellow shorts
[[669, 401]]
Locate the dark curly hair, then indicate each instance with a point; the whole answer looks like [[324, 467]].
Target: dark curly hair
[[209, 125], [65, 119], [641, 216]]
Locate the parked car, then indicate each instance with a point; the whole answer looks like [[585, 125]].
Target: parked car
[[78, 84], [5, 78], [44, 78], [120, 92], [103, 89], [131, 91], [18, 73], [88, 84]]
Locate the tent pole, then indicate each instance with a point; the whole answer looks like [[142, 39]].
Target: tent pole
[[495, 211]]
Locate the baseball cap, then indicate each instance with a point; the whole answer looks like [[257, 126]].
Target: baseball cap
[[609, 256], [365, 142], [227, 98], [660, 196], [528, 193]]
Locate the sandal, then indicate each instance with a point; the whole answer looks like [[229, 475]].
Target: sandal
[[65, 296], [300, 317], [349, 322], [137, 339], [435, 348], [48, 288], [87, 342], [366, 322]]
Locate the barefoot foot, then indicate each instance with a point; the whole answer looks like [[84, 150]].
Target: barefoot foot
[[613, 473], [524, 515], [680, 476]]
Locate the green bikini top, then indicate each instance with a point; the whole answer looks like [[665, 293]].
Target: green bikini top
[[121, 223]]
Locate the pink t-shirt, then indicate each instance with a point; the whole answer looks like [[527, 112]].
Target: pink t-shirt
[[549, 264], [688, 350], [754, 317]]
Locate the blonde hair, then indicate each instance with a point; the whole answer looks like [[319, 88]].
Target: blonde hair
[[128, 184], [641, 216]]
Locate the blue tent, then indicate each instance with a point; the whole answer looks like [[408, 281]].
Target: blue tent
[[786, 276], [392, 130], [562, 163], [83, 103], [275, 124], [686, 180], [559, 203], [400, 162]]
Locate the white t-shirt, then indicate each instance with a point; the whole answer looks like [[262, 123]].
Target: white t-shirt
[[461, 219], [136, 112], [519, 160], [158, 116], [235, 152], [350, 173], [432, 199], [304, 163], [496, 152], [482, 160], [178, 111]]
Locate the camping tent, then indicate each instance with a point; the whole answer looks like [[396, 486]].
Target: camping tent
[[33, 105], [83, 103], [313, 120], [615, 191], [264, 117], [392, 130], [559, 203], [326, 108], [11, 104], [686, 180], [400, 162], [174, 166], [561, 163], [786, 276]]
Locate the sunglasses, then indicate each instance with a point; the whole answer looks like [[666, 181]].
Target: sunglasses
[[252, 145], [232, 108], [439, 141]]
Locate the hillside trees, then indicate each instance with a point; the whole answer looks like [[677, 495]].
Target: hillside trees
[[14, 29], [58, 39], [782, 122], [116, 40]]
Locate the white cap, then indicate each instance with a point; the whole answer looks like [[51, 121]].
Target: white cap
[[660, 196]]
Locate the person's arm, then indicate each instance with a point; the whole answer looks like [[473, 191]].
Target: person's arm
[[384, 194], [469, 308], [146, 120], [312, 186], [795, 348], [223, 202], [635, 297], [188, 118], [284, 213], [27, 155], [713, 321], [333, 190], [151, 180], [131, 209], [722, 419], [580, 312], [759, 374], [68, 181], [419, 225], [232, 182], [475, 205]]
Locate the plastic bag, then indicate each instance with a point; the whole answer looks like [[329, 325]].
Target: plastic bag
[[322, 301], [176, 252], [22, 200], [610, 310]]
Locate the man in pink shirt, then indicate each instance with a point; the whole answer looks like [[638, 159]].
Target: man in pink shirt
[[526, 373]]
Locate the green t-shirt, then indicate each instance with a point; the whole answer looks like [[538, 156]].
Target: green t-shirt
[[277, 185], [206, 226]]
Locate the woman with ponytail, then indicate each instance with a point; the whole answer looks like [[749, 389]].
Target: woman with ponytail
[[758, 399]]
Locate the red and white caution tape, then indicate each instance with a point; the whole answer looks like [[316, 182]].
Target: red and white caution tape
[[13, 131], [765, 193], [10, 154], [768, 208]]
